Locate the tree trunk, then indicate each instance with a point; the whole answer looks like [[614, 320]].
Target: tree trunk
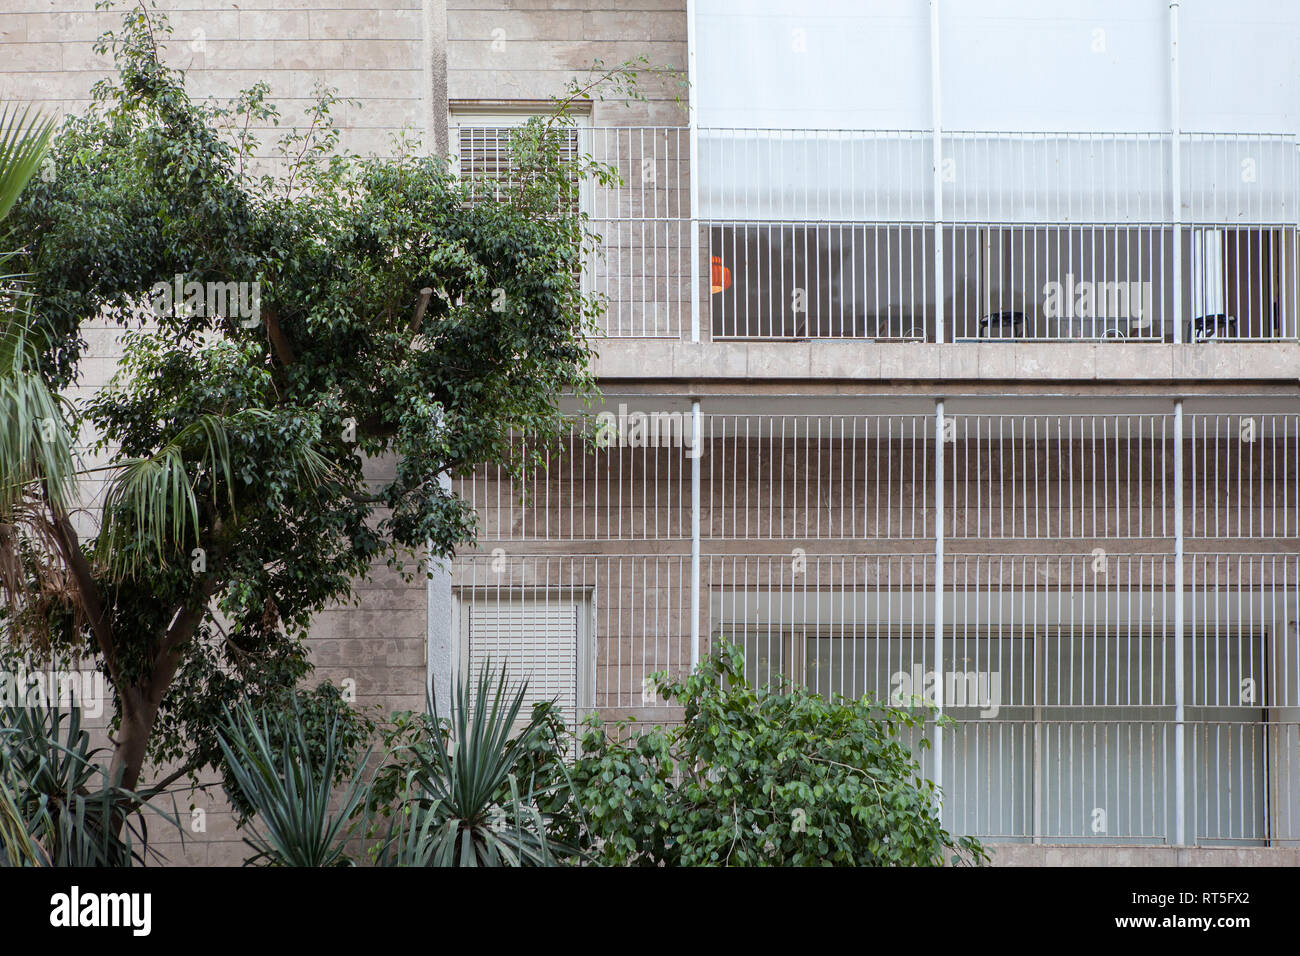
[[131, 745]]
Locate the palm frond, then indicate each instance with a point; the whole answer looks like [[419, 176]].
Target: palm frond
[[150, 505], [24, 142], [35, 440]]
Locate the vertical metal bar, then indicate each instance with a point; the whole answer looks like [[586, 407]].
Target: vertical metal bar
[[1176, 177], [936, 145], [1179, 742], [938, 588], [697, 440], [693, 101]]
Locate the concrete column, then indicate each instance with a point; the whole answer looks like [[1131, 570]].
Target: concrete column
[[435, 86]]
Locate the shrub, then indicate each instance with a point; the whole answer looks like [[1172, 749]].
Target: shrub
[[58, 805], [763, 777], [287, 784]]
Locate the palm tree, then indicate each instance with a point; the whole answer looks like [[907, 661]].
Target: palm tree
[[38, 474], [150, 504]]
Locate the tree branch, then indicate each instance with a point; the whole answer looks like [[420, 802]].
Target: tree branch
[[88, 592], [423, 304], [168, 658], [283, 350]]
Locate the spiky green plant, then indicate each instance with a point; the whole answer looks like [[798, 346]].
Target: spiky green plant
[[59, 806], [17, 848], [470, 793], [24, 143], [296, 820]]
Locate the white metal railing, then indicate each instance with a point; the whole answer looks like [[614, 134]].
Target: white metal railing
[[642, 270], [1243, 475], [1060, 476], [1046, 236], [1097, 782], [861, 476], [1057, 670], [1098, 649]]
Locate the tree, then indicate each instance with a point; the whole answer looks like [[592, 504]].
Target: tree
[[768, 777], [384, 312]]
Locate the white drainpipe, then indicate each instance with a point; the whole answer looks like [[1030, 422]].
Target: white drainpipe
[[697, 440], [936, 149], [1180, 792], [937, 750], [693, 101], [1176, 170]]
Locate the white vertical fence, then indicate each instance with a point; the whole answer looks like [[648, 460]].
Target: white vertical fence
[[1060, 598]]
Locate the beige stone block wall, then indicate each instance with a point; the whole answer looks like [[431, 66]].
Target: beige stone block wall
[[529, 50], [374, 53]]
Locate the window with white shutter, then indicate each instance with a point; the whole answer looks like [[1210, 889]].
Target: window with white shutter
[[538, 640], [481, 143], [481, 147]]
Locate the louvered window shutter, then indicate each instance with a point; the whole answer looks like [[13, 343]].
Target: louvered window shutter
[[483, 151], [534, 641]]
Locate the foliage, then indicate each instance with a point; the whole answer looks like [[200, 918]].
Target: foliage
[[24, 140], [58, 806], [278, 775], [323, 720], [466, 790], [766, 777], [402, 314]]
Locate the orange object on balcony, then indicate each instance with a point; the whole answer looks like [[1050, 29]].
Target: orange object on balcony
[[721, 275]]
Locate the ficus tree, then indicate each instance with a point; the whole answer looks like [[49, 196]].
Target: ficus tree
[[366, 310], [761, 776]]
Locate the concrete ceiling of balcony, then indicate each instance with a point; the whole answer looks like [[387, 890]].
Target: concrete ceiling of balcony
[[905, 378]]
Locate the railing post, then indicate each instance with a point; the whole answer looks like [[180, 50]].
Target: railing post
[[697, 442], [1176, 172], [936, 150], [1180, 765], [938, 590], [693, 102]]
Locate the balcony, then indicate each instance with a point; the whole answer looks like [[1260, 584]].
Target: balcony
[[801, 235], [1111, 615]]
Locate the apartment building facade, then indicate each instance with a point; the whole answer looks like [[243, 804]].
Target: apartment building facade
[[949, 351]]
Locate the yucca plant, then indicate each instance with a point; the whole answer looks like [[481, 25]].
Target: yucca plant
[[17, 848], [58, 805], [295, 820], [473, 793]]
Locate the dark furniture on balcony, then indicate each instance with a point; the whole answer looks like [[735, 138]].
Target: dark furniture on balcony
[[1205, 328]]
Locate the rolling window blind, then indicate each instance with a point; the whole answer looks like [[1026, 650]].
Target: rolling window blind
[[534, 641]]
